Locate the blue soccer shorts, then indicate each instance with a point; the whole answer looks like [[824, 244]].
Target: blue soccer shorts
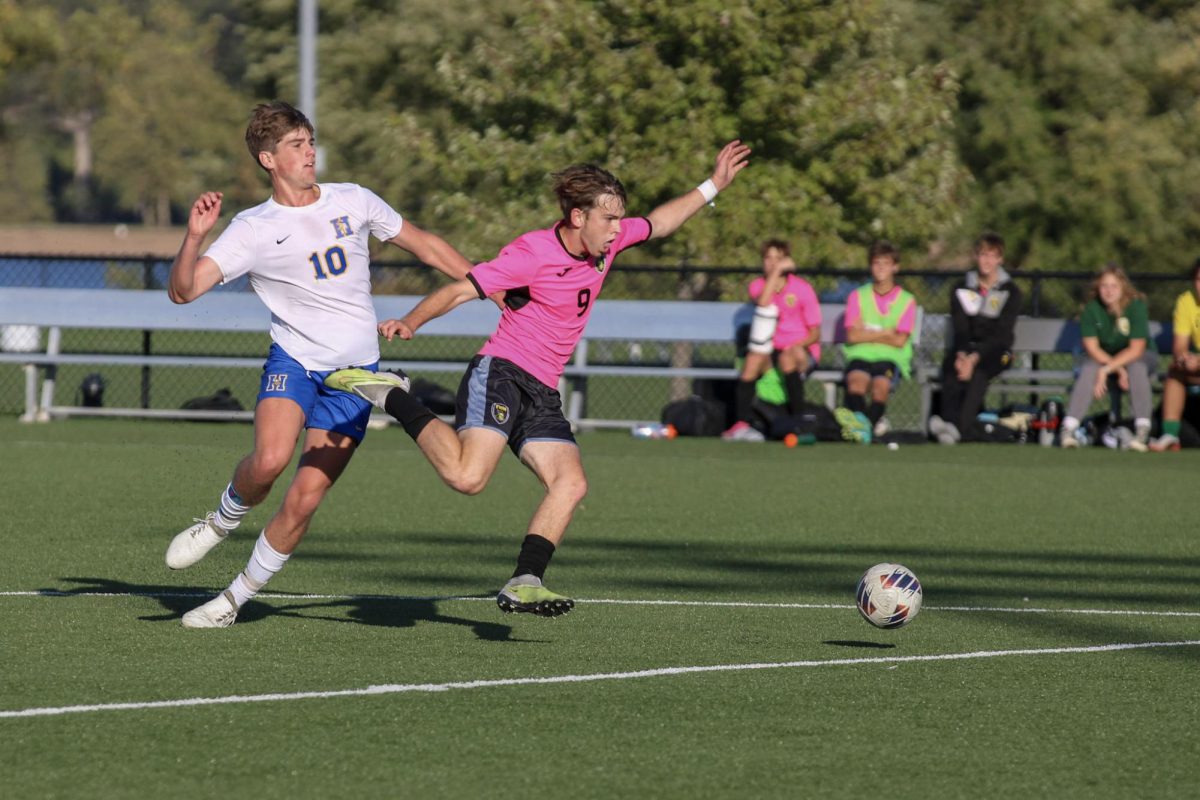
[[324, 409]]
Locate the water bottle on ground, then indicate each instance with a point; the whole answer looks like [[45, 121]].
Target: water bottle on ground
[[1048, 420], [794, 439], [654, 430]]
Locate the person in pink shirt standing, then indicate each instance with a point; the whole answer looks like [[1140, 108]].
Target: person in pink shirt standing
[[509, 397], [879, 322], [785, 333]]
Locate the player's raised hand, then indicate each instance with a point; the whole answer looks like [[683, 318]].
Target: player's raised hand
[[205, 213], [390, 328], [733, 158]]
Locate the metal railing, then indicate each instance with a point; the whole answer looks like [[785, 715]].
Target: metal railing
[[1049, 294]]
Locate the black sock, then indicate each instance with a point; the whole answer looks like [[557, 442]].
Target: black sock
[[794, 383], [856, 403], [408, 411], [535, 556], [744, 398], [875, 412]]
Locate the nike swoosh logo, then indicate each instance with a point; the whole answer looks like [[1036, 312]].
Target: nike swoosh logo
[[284, 239], [564, 272]]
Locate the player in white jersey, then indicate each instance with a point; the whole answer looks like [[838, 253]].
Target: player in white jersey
[[305, 250]]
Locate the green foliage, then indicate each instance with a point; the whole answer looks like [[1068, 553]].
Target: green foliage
[[166, 134], [135, 86], [1077, 121], [1066, 125], [463, 130]]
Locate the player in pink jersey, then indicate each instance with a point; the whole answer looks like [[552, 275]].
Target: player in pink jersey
[[509, 396], [786, 333]]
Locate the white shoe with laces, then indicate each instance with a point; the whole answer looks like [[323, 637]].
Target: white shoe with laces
[[193, 544], [220, 612]]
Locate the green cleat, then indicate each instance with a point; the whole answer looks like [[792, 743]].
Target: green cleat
[[370, 386], [525, 594], [855, 425]]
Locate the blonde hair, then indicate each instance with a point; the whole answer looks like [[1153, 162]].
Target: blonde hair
[[1128, 293]]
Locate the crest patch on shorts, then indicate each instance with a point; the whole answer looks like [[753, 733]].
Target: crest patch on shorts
[[500, 413]]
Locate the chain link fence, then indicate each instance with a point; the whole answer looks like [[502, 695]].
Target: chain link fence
[[1048, 294]]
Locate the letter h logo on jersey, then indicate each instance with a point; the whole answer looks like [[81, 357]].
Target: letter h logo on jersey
[[341, 226], [277, 383]]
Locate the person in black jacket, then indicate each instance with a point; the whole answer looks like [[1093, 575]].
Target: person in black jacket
[[983, 313]]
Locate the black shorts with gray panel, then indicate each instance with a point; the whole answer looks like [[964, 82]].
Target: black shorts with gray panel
[[497, 394]]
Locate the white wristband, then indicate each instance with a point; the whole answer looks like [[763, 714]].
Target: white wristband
[[708, 189]]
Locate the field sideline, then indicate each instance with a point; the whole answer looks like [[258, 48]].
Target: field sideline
[[714, 652]]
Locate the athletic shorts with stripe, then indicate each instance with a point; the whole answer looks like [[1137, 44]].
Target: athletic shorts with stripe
[[497, 394]]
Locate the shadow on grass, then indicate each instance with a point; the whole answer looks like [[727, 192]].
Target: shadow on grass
[[984, 581], [854, 643], [392, 612], [399, 613]]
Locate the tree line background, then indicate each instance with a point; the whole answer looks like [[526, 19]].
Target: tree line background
[[1069, 126]]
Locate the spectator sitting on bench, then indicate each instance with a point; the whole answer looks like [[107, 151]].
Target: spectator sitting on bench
[[1185, 363], [879, 322], [785, 330], [1115, 327], [983, 314]]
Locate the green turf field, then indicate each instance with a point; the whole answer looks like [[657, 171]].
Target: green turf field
[[714, 651]]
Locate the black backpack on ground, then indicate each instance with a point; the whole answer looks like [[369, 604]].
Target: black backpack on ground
[[814, 419], [221, 400], [695, 416]]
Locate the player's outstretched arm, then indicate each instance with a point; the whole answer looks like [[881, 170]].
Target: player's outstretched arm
[[666, 219], [448, 297], [432, 250], [191, 276]]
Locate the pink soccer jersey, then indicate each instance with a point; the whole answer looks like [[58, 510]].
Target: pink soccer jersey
[[799, 312], [883, 302], [541, 335]]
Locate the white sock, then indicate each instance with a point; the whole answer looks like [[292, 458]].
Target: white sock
[[1141, 425], [1069, 424], [264, 562], [231, 509]]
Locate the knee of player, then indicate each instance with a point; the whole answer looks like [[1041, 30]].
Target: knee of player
[[269, 464], [302, 501], [574, 487], [467, 483]]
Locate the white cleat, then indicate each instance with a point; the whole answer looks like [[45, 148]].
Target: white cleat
[[220, 612], [194, 543]]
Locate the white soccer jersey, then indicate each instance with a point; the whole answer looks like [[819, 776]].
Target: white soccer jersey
[[310, 266]]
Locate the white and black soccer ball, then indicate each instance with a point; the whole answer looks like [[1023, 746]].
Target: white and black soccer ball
[[888, 595]]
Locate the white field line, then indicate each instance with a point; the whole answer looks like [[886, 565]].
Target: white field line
[[429, 688], [604, 601]]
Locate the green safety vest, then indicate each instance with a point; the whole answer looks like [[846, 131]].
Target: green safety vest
[[873, 351]]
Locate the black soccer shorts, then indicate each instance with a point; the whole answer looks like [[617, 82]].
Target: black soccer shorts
[[497, 394]]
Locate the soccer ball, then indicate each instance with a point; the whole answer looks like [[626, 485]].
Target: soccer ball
[[888, 595]]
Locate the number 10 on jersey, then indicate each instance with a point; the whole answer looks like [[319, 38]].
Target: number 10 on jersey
[[335, 263]]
